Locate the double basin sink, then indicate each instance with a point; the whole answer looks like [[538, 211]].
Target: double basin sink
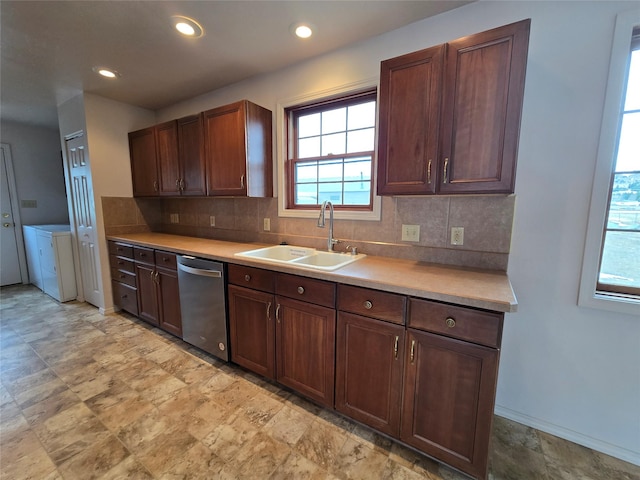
[[302, 257]]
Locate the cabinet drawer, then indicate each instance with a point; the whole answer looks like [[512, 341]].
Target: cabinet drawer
[[250, 277], [124, 296], [121, 249], [122, 263], [372, 303], [144, 255], [166, 260], [475, 326], [121, 276], [309, 290]]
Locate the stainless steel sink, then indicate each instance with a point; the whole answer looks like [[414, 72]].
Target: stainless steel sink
[[302, 257]]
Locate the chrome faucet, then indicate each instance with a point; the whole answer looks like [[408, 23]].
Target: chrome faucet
[[330, 241]]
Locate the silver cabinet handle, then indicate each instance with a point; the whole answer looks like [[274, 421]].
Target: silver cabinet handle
[[445, 176], [368, 305], [300, 290], [278, 313], [155, 185], [247, 278], [268, 311], [429, 172], [413, 350], [395, 347], [450, 322], [242, 181]]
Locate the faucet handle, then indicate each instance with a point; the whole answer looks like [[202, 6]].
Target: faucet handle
[[352, 250]]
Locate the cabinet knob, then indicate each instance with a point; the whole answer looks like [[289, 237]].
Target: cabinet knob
[[247, 278], [450, 322], [124, 296], [368, 305], [300, 290], [123, 276]]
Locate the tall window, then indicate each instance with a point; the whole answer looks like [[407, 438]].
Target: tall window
[[620, 258], [330, 153]]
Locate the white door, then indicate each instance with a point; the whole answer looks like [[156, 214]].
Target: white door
[[9, 261], [84, 217]]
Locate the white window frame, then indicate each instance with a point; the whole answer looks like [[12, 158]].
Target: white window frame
[[588, 295], [281, 153]]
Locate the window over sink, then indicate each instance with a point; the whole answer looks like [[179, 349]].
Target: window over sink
[[327, 152]]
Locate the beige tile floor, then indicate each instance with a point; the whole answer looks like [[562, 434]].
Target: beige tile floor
[[86, 396]]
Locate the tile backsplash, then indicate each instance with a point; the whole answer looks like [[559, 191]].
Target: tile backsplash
[[487, 222]]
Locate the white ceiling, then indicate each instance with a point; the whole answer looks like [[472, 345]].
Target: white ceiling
[[50, 47]]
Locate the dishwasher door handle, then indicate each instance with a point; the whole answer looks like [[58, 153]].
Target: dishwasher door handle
[[200, 271]]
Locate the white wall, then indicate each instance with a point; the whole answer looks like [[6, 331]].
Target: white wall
[[37, 164], [571, 371]]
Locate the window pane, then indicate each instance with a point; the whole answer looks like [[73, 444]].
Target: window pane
[[360, 141], [632, 101], [309, 147], [306, 194], [309, 125], [357, 193], [333, 144], [331, 192], [629, 147], [330, 170], [624, 210], [359, 170], [362, 116], [334, 120], [621, 259], [306, 172]]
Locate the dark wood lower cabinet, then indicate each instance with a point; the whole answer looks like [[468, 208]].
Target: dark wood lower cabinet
[[305, 346], [147, 295], [449, 394], [170, 317], [369, 363], [252, 330]]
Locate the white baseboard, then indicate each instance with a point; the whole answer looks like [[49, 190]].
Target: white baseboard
[[575, 437]]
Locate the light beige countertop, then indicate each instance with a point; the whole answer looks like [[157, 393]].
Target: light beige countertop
[[487, 289]]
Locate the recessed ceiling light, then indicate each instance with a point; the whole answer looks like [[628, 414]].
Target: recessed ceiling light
[[302, 30], [106, 72], [187, 26]]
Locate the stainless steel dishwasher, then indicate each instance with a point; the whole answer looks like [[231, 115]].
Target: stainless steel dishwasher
[[203, 305]]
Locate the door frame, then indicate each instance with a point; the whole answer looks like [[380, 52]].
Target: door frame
[[15, 211]]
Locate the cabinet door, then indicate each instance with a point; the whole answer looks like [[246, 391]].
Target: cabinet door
[[305, 348], [252, 330], [147, 293], [369, 371], [483, 90], [225, 150], [167, 155], [410, 89], [144, 169], [449, 394], [191, 154], [169, 318]]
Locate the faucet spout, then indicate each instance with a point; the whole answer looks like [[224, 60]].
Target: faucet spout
[[321, 223]]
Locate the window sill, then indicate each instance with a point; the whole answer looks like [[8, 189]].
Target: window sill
[[627, 304], [373, 215]]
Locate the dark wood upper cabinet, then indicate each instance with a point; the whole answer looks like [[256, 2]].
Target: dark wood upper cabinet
[[410, 90], [450, 115], [144, 166], [191, 155], [238, 150], [483, 91], [167, 155]]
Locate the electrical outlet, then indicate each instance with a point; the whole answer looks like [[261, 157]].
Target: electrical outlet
[[457, 235], [266, 224], [174, 218], [410, 233], [212, 221]]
